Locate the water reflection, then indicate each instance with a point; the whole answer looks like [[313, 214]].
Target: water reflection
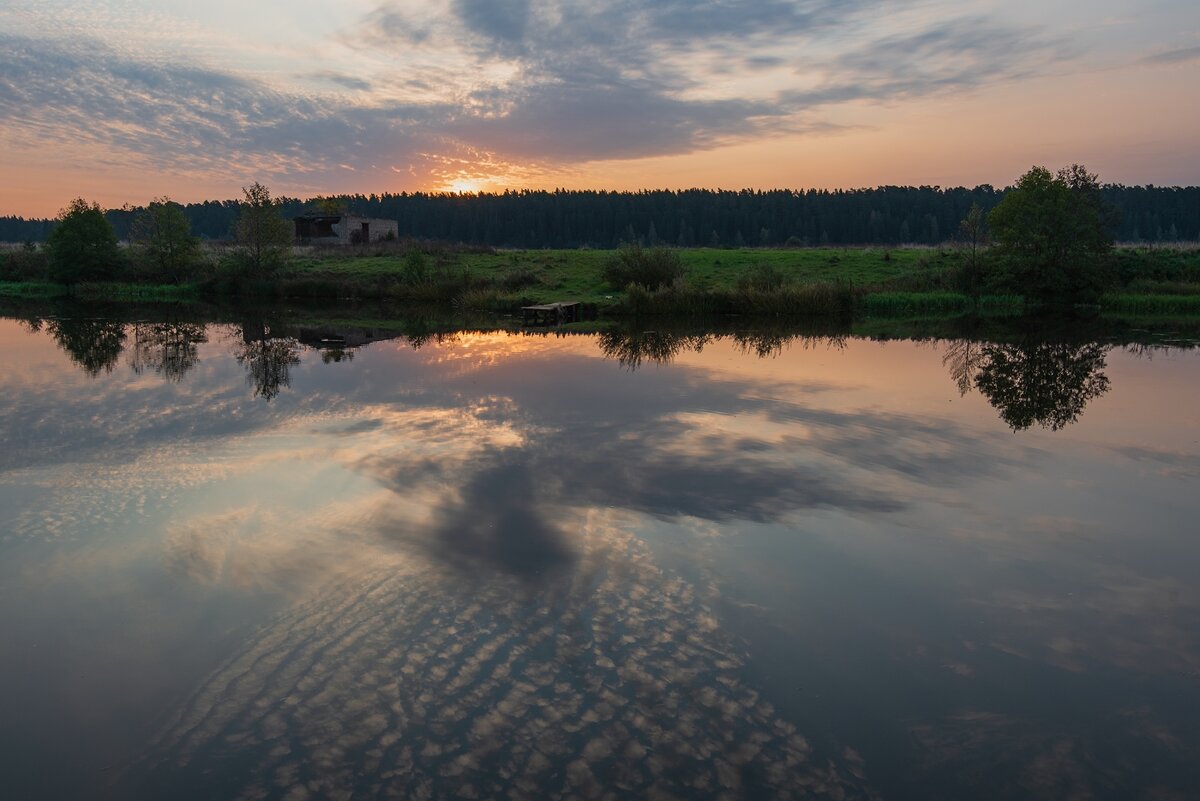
[[1047, 383], [633, 348], [488, 565], [1033, 381], [611, 681], [170, 350], [1030, 378], [267, 357], [95, 345], [1043, 383]]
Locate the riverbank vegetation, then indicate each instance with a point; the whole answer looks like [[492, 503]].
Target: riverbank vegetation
[[1047, 243]]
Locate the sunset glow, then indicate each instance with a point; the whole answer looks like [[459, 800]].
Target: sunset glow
[[130, 99]]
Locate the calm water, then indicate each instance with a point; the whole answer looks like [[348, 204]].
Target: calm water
[[235, 565]]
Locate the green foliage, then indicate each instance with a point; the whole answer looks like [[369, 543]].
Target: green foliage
[[972, 237], [911, 304], [816, 299], [329, 206], [519, 278], [83, 246], [1052, 237], [1178, 304], [415, 269], [762, 277], [164, 239], [647, 267], [264, 235], [26, 264]]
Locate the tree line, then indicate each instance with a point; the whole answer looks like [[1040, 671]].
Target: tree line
[[690, 218], [83, 245]]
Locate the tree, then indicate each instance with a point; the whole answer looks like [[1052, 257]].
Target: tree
[[1052, 236], [973, 237], [263, 233], [163, 233], [83, 246]]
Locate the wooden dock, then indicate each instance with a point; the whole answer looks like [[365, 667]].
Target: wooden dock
[[551, 313]]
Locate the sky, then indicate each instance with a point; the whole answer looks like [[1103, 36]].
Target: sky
[[122, 101]]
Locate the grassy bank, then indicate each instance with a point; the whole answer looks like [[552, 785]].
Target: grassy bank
[[871, 282]]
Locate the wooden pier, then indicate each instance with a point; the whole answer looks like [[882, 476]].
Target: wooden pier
[[551, 313]]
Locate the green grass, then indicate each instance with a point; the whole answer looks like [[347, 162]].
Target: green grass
[[882, 282], [98, 291], [32, 289], [1151, 304], [577, 274], [911, 304]]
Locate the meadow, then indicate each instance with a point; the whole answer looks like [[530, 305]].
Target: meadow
[[868, 281]]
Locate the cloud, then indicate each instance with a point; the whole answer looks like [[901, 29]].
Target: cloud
[[529, 81], [339, 79], [1181, 55], [183, 116]]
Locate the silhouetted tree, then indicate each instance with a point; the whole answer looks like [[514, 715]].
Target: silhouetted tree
[[83, 246], [263, 233], [163, 233], [973, 238]]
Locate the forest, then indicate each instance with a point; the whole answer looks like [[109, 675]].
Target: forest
[[888, 215]]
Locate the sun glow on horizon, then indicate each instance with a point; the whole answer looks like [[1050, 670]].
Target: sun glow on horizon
[[463, 186]]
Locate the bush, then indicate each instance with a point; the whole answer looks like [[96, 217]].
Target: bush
[[519, 278], [762, 277], [24, 265], [415, 270], [648, 267], [816, 300]]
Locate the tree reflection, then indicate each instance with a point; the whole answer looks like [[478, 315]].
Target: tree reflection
[[1044, 383], [336, 355], [268, 360], [634, 348], [168, 349], [94, 345], [963, 359], [631, 349]]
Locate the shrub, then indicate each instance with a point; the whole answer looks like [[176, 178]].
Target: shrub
[[762, 277], [648, 267], [415, 269], [24, 265], [519, 278]]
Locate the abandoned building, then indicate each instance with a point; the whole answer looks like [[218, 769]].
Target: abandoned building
[[343, 229]]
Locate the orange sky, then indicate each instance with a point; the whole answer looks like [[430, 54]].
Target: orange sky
[[129, 100]]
